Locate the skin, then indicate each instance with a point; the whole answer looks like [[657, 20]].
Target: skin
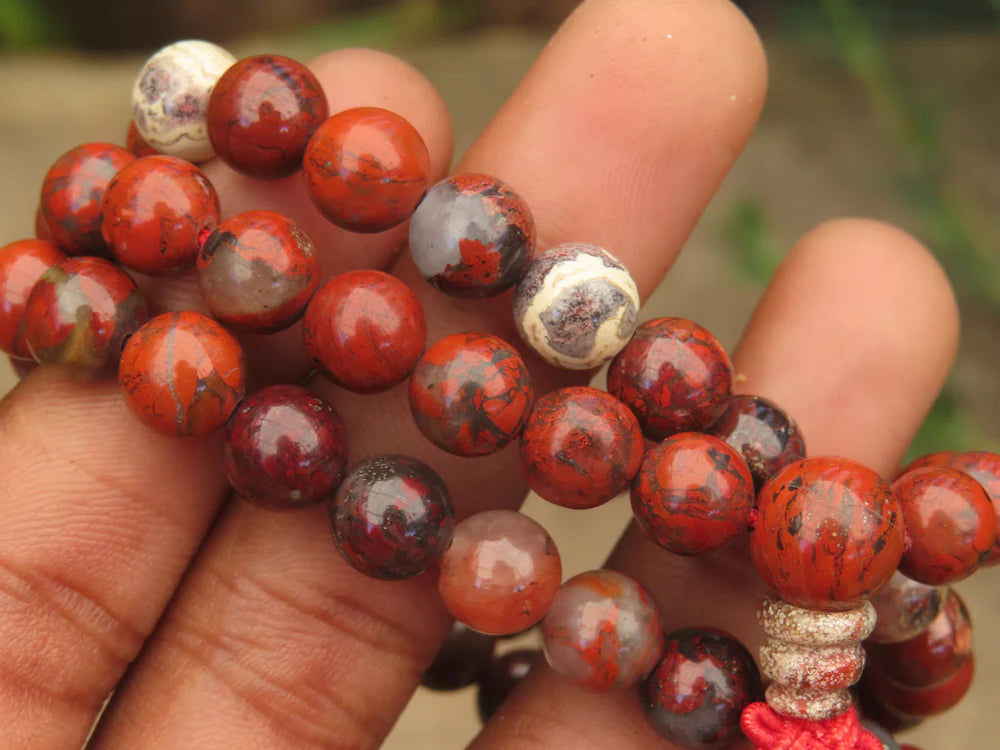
[[244, 654]]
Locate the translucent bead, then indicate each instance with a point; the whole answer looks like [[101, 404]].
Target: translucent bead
[[904, 609]]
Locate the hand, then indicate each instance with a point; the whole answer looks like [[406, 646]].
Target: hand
[[619, 135]]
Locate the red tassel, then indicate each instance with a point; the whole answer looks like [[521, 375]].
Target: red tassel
[[771, 731]]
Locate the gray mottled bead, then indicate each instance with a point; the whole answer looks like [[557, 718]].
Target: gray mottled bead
[[170, 97], [576, 306], [471, 236]]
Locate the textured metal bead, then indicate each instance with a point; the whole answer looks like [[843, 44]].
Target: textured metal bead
[[812, 657]]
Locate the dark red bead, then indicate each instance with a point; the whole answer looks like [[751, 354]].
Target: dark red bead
[[462, 659], [692, 493], [136, 144], [762, 432], [984, 467], [920, 702], [501, 677], [367, 169], [22, 263], [285, 448], [674, 375], [262, 113], [80, 313], [934, 655], [472, 235], [904, 608], [258, 271], [827, 534], [697, 692], [72, 193], [157, 212], [580, 447], [183, 374], [950, 524], [41, 230], [471, 394], [365, 330], [392, 517]]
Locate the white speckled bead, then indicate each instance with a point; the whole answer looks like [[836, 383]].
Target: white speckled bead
[[576, 306], [812, 657], [170, 97]]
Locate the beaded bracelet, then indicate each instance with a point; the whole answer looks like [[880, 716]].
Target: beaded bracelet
[[826, 533]]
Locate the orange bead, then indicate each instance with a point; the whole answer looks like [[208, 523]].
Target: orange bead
[[183, 374], [367, 169], [22, 263]]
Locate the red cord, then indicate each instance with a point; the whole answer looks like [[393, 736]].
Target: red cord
[[771, 731]]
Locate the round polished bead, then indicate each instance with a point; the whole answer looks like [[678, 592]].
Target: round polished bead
[[22, 264], [984, 467], [920, 702], [41, 230], [904, 608], [603, 631], [136, 144], [762, 432], [262, 113], [183, 374], [828, 533], [285, 448], [674, 375], [940, 552], [170, 97], [576, 306], [471, 394], [932, 656], [365, 330], [80, 313], [367, 169], [501, 677], [692, 493], [157, 212], [258, 271], [392, 517], [580, 447], [501, 573], [695, 695], [462, 659], [72, 193], [938, 458], [472, 235]]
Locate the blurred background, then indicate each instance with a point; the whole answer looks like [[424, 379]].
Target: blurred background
[[888, 109]]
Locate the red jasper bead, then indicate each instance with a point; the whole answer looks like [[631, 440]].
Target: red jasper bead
[[932, 656], [285, 448], [257, 272], [392, 517], [580, 447], [828, 533], [80, 313], [762, 432], [41, 230], [471, 394], [22, 263], [938, 458], [984, 467], [183, 374], [603, 631], [501, 573], [920, 702], [72, 193], [367, 169], [674, 375], [472, 235], [938, 551], [697, 692], [157, 212], [904, 608], [365, 330], [692, 493], [136, 144], [262, 113]]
